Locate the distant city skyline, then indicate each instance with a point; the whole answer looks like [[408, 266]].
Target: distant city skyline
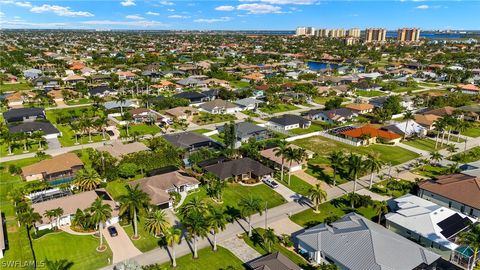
[[240, 14]]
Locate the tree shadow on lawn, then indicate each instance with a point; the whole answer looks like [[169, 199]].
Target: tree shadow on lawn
[[319, 172]]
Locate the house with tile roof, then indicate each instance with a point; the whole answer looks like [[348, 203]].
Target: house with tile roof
[[56, 170], [368, 134]]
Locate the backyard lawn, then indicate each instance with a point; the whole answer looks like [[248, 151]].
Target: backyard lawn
[[208, 118], [300, 131], [79, 249], [472, 131], [207, 260], [372, 93], [323, 100], [278, 108], [424, 144], [140, 129]]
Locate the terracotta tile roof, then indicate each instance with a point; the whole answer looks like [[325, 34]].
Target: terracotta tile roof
[[458, 187], [58, 163], [468, 87], [373, 132], [359, 106], [426, 119]]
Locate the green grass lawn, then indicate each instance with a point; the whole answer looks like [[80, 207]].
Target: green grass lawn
[[323, 100], [239, 84], [384, 188], [140, 129], [201, 130], [217, 138], [262, 249], [372, 93], [300, 131], [17, 148], [296, 184], [207, 118], [250, 113], [277, 108], [78, 101], [207, 260], [68, 136], [406, 89], [468, 156], [116, 188], [324, 173], [14, 87], [424, 144], [472, 131], [429, 171], [147, 241], [75, 248]]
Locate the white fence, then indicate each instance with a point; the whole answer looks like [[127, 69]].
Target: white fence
[[323, 134], [210, 133], [303, 136]]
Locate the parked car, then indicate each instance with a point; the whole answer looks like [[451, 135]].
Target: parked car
[[112, 231], [270, 182]]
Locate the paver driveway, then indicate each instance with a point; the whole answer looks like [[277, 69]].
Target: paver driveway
[[121, 245]]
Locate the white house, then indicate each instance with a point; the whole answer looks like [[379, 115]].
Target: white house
[[288, 121]]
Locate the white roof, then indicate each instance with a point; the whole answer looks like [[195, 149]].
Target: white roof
[[410, 129], [422, 217]]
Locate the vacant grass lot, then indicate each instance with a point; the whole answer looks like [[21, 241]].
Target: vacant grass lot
[[278, 108], [14, 87], [207, 260], [75, 248], [139, 129], [17, 148], [313, 127], [424, 144], [472, 131], [372, 93], [207, 118]]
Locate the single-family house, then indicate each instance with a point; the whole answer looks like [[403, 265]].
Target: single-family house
[[407, 129], [49, 130], [245, 131], [470, 89], [193, 97], [118, 149], [74, 79], [31, 74], [56, 170], [192, 82], [45, 82], [248, 103], [360, 108], [144, 115], [288, 121], [339, 115], [101, 91], [24, 115], [17, 99], [460, 192], [426, 120], [114, 104], [356, 243], [219, 106], [273, 261], [182, 112], [270, 156], [190, 141], [368, 134], [126, 75], [242, 169]]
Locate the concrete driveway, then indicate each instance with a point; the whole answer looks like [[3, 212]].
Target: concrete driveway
[[286, 193], [121, 245]]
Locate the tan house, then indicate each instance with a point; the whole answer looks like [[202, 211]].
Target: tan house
[[117, 149], [360, 108], [426, 120], [182, 112], [57, 170]]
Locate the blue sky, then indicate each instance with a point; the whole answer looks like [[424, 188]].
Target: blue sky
[[239, 14]]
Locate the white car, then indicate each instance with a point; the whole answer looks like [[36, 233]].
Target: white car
[[270, 182]]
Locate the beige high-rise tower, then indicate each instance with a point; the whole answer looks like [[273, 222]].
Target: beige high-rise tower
[[408, 35], [375, 35]]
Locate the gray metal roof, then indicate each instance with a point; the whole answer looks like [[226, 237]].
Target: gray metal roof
[[358, 243]]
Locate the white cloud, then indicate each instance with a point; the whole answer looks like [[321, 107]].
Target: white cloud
[[285, 2], [2, 14], [178, 17], [423, 7], [225, 8], [128, 3], [60, 11], [143, 23], [259, 8], [134, 17], [222, 19], [23, 24], [171, 9], [153, 13], [17, 3], [166, 3]]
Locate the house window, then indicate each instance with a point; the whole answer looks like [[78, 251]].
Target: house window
[[471, 212], [450, 204]]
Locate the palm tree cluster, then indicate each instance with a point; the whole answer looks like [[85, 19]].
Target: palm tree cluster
[[23, 140], [290, 155], [444, 127]]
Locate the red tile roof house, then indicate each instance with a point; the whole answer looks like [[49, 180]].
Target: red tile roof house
[[369, 135], [469, 89]]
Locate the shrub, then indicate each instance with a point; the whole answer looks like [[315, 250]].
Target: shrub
[[14, 169], [127, 170]]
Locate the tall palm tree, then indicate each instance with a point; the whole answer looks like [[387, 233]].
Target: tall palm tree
[[197, 226], [336, 159], [49, 214], [381, 208], [354, 165], [75, 126], [407, 116], [249, 206], [373, 164], [122, 99], [87, 179], [461, 127], [172, 237], [8, 138], [58, 264], [435, 156], [156, 222], [317, 195], [290, 156], [439, 126], [299, 156], [100, 213], [132, 202], [217, 221], [281, 151], [472, 239], [269, 238], [193, 205], [28, 218]]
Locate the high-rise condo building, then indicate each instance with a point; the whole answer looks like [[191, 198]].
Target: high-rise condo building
[[305, 31], [408, 35], [354, 32], [375, 35]]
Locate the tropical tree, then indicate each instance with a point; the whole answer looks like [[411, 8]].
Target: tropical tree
[[197, 226], [451, 148], [461, 127], [249, 206], [28, 217], [435, 156], [317, 195], [281, 151], [215, 187], [58, 264], [121, 99], [100, 213], [217, 221], [269, 238], [407, 116], [172, 238], [354, 164], [381, 208], [439, 126], [336, 159], [131, 203], [156, 222], [49, 214], [298, 155], [472, 239], [193, 205], [373, 164], [87, 179], [57, 213]]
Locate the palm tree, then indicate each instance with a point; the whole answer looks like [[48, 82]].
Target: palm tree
[[462, 126], [269, 238], [28, 218], [299, 156], [407, 116], [58, 264], [373, 164], [58, 213], [472, 239], [249, 206], [354, 165], [439, 126], [172, 237], [317, 195], [132, 202], [451, 148], [100, 213], [197, 226], [156, 222], [193, 205], [336, 159], [8, 138], [75, 128], [102, 123], [217, 221], [380, 208], [435, 156], [87, 179], [122, 99], [281, 151], [50, 214], [38, 135], [290, 156]]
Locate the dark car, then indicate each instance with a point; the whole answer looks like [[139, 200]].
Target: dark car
[[112, 231]]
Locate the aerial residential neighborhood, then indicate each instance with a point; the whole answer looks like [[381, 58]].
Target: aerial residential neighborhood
[[312, 148]]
